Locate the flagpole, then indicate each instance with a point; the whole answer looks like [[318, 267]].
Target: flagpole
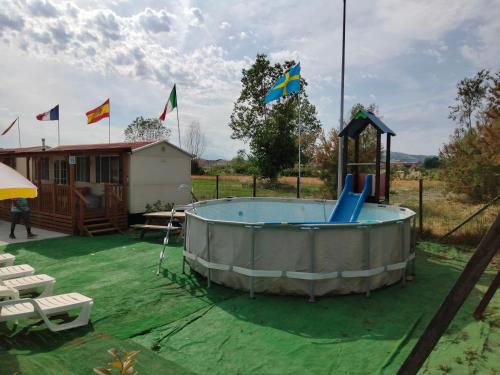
[[298, 99], [18, 131], [177, 108], [109, 122], [341, 127], [58, 133]]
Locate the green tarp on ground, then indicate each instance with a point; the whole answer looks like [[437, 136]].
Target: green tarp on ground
[[182, 327]]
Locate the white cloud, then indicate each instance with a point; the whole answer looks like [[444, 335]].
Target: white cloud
[[135, 50], [484, 49], [195, 16]]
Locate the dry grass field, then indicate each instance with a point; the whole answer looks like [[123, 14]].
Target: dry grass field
[[441, 210]]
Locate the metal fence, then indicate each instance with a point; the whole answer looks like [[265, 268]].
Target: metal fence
[[215, 187], [438, 210]]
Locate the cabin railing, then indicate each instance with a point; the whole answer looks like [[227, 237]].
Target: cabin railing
[[81, 204], [114, 203], [53, 199]]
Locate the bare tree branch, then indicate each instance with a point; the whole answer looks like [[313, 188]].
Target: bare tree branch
[[195, 140]]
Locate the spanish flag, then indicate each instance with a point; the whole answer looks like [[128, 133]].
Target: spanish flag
[[98, 113]]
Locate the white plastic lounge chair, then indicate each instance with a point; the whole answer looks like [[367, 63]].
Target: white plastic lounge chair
[[30, 283], [44, 307], [11, 272], [7, 259]]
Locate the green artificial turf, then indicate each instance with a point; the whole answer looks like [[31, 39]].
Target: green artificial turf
[[180, 326]]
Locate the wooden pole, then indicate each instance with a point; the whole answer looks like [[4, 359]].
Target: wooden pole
[[217, 187], [420, 205], [377, 166], [298, 187], [72, 200], [254, 192], [28, 174], [478, 313], [356, 161], [344, 161], [454, 300]]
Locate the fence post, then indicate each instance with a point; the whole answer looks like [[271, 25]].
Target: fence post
[[298, 187], [254, 192], [420, 205], [217, 187]]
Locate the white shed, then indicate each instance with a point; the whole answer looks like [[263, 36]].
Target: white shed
[[157, 170]]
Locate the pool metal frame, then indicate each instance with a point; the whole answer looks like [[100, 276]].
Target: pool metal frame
[[406, 263]]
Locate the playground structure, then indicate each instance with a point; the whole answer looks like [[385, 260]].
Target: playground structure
[[353, 130]]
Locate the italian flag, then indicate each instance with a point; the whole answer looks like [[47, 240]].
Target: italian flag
[[171, 104]]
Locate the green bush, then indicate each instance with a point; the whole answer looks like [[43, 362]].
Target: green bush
[[196, 169], [306, 171]]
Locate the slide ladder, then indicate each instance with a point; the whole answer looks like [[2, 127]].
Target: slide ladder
[[349, 204]]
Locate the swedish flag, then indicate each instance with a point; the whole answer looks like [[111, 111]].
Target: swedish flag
[[288, 83]]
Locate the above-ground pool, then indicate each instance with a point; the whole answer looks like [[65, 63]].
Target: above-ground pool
[[249, 244]]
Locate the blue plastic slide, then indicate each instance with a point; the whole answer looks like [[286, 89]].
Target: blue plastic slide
[[350, 204]]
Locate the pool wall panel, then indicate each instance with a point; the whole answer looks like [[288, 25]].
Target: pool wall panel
[[280, 259]]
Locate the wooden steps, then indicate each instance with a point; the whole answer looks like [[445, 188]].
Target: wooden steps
[[99, 225]]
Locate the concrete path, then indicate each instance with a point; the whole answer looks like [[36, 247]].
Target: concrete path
[[20, 233]]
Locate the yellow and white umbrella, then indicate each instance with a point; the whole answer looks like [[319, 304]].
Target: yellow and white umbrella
[[15, 185]]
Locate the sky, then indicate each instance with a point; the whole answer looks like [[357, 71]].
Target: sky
[[405, 56]]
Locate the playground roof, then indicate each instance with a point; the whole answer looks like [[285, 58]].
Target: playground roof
[[361, 121]]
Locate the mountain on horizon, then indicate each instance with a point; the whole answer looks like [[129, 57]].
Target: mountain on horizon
[[395, 156], [408, 158]]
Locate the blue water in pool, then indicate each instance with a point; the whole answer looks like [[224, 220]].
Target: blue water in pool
[[276, 211]]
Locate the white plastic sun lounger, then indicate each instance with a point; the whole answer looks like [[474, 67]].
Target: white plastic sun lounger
[[29, 283], [44, 307], [7, 259], [11, 272]]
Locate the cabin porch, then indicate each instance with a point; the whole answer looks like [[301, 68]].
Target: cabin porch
[[83, 193]]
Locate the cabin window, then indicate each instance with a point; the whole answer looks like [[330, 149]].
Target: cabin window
[[83, 168], [44, 169], [60, 172], [108, 169]]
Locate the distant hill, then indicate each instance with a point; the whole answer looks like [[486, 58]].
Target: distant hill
[[408, 158], [395, 157]]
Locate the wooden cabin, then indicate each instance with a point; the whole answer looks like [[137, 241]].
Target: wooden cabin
[[91, 189]]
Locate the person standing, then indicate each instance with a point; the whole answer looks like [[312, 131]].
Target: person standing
[[20, 209]]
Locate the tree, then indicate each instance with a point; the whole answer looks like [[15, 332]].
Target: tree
[[470, 99], [431, 162], [195, 141], [471, 159], [326, 159], [149, 129], [272, 132], [327, 150], [368, 138]]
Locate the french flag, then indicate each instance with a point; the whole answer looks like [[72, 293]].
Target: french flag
[[51, 115]]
